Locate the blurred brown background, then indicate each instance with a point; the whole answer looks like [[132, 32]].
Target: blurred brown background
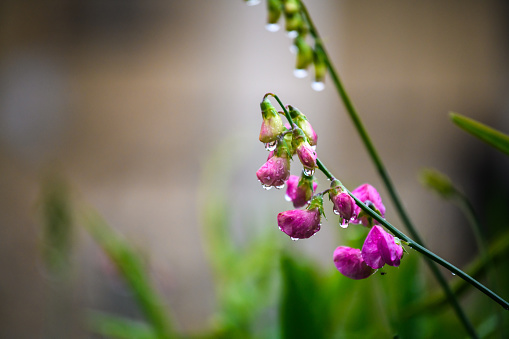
[[127, 99]]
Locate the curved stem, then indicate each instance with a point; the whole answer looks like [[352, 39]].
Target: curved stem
[[381, 169]]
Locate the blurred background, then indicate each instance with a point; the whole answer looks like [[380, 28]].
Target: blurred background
[[128, 100]]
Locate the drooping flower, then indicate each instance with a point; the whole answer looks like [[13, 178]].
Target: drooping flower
[[300, 120], [306, 154], [300, 190], [277, 168], [350, 263], [272, 125], [381, 248], [368, 195], [302, 224], [343, 203]]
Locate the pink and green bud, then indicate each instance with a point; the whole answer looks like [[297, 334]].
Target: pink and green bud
[[300, 190], [302, 224], [272, 125], [306, 153], [300, 120], [381, 248], [343, 203], [350, 263], [369, 196]]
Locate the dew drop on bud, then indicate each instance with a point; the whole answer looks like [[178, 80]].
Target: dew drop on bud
[[272, 27], [300, 73], [280, 186], [309, 172], [335, 211], [266, 187], [252, 2], [270, 146], [344, 224], [294, 239], [293, 49], [287, 197], [293, 34], [318, 86]]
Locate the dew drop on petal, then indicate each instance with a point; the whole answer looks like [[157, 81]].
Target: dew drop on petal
[[294, 239], [309, 172], [343, 224], [280, 186], [252, 2], [335, 211], [300, 73], [318, 86], [287, 197], [270, 146], [272, 27], [293, 34], [266, 187]]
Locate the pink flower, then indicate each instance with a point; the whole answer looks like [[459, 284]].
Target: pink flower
[[368, 195], [381, 248], [272, 125], [300, 190], [275, 171], [350, 263], [302, 224]]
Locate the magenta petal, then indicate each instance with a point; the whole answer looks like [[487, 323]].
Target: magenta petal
[[349, 262], [299, 224], [365, 193], [274, 172], [371, 251], [390, 251]]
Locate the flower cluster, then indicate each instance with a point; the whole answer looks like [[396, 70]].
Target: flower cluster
[[297, 29], [300, 139]]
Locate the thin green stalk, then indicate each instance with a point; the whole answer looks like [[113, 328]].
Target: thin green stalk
[[419, 248], [382, 171]]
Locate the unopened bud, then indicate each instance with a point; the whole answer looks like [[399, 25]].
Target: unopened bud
[[300, 120], [272, 125]]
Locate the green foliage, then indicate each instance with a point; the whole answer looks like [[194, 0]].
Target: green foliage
[[487, 134]]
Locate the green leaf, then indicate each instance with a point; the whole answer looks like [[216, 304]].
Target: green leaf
[[133, 270], [487, 134], [112, 326]]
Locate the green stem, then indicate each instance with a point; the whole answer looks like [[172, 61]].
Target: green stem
[[419, 248], [381, 169]]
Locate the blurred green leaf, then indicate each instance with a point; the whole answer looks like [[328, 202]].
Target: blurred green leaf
[[132, 268], [116, 327], [487, 134], [57, 224]]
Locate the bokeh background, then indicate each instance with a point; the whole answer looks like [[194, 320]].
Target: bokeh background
[[128, 100]]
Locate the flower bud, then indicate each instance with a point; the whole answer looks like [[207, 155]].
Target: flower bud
[[381, 248], [302, 224], [350, 263], [272, 125], [293, 24], [369, 196], [320, 71], [304, 54], [277, 168], [300, 120], [300, 190], [343, 203], [274, 9], [291, 6], [306, 154]]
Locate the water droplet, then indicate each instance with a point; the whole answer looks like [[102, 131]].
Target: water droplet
[[266, 187], [280, 186], [309, 172], [294, 239], [318, 86], [270, 146], [293, 34], [252, 2], [272, 27], [314, 149], [300, 73], [287, 197], [453, 273], [293, 49], [344, 224]]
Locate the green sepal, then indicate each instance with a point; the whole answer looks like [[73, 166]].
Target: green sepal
[[317, 202]]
